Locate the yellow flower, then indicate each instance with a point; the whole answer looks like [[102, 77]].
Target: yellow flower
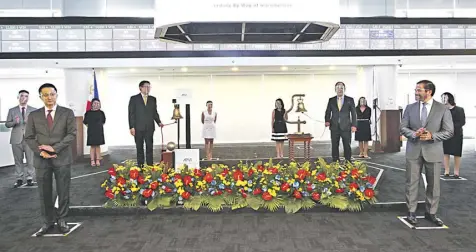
[[134, 189], [178, 183], [272, 192], [180, 191], [104, 184], [336, 184], [161, 191], [241, 183], [313, 173], [209, 169], [276, 188]]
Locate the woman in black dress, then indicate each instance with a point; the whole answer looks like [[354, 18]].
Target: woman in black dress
[[363, 133], [454, 145], [278, 126], [94, 119]]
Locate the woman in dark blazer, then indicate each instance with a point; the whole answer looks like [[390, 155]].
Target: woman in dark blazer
[[454, 145]]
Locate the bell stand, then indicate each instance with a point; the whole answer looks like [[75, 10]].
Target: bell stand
[[299, 110]]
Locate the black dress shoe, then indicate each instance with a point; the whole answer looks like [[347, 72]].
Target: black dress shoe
[[18, 183], [456, 176], [62, 226], [29, 182], [432, 218], [44, 229], [412, 219]]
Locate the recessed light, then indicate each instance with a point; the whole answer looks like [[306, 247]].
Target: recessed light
[[132, 70], [234, 69], [284, 68], [332, 68], [184, 69]]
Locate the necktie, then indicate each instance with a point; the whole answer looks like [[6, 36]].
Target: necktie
[[145, 99], [424, 114], [49, 118], [339, 103], [23, 113]]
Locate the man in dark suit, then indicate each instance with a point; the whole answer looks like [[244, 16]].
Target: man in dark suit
[[426, 124], [50, 131], [341, 118], [142, 114], [16, 119]]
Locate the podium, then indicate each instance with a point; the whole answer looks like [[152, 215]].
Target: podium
[[306, 139]]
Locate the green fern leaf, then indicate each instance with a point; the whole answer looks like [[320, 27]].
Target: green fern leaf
[[215, 204], [354, 206], [193, 203], [230, 199], [254, 202], [239, 203], [308, 204], [336, 201], [164, 201], [292, 206], [273, 205]]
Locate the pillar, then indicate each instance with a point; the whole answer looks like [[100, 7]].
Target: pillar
[[381, 83], [78, 90]]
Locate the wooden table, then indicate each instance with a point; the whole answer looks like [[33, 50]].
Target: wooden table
[[306, 139]]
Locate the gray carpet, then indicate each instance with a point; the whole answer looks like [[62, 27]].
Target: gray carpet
[[189, 231]]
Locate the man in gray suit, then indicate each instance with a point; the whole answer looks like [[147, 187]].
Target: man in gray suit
[[50, 131], [426, 124], [16, 119]]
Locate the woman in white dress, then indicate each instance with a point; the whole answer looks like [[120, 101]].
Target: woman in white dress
[[209, 118]]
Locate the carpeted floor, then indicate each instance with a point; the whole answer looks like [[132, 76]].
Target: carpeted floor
[[375, 231]]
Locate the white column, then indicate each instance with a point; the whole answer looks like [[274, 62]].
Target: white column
[[380, 83], [79, 86]]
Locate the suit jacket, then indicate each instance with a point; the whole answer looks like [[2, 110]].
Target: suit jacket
[[141, 116], [60, 137], [343, 119], [439, 123], [18, 130]]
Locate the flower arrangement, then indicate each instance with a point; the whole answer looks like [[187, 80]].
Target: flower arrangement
[[270, 186]]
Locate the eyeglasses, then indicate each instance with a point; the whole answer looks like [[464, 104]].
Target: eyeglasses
[[420, 89], [48, 95]]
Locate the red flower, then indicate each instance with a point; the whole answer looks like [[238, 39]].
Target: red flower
[[238, 175], [228, 190], [218, 193], [167, 189], [301, 174], [284, 187], [353, 186], [309, 187], [321, 176], [208, 177], [164, 177], [141, 180], [197, 173], [133, 174], [339, 190], [186, 195], [177, 177], [147, 193], [187, 180], [343, 174], [111, 171], [266, 196], [273, 170], [244, 195], [109, 194], [369, 193], [297, 194], [260, 168], [355, 172], [121, 181], [250, 172], [316, 196], [339, 178], [371, 179], [154, 185], [257, 191], [225, 172]]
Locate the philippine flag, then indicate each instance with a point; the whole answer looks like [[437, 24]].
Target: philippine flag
[[93, 92]]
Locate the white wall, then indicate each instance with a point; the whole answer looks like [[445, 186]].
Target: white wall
[[244, 103]]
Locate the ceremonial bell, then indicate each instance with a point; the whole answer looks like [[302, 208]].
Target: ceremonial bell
[[300, 106], [176, 114]]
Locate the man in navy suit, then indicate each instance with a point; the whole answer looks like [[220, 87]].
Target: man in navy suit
[[341, 118], [142, 114]]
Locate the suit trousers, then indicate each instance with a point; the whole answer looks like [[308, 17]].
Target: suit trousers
[[148, 138], [336, 135], [22, 171], [432, 174], [44, 176]]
